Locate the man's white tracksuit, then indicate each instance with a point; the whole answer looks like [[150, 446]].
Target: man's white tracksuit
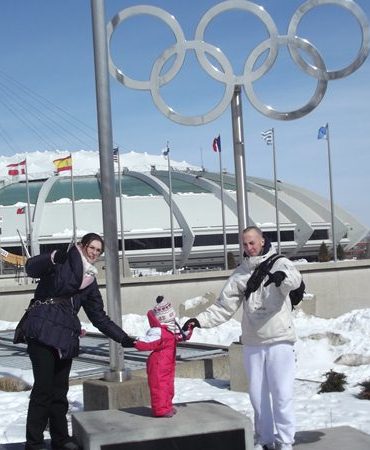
[[268, 337]]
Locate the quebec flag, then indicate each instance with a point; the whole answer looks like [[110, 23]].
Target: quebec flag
[[323, 133]]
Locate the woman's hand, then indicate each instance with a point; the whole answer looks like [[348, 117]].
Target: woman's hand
[[59, 256], [128, 341]]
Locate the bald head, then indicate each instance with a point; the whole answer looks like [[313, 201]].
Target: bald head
[[253, 241]]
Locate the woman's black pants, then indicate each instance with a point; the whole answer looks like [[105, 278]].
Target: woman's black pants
[[48, 400]]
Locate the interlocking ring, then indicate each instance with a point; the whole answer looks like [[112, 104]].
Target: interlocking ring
[[323, 73], [252, 8], [317, 69], [176, 30], [320, 88], [214, 72]]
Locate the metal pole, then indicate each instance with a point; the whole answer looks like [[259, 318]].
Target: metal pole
[[223, 210], [121, 215], [29, 234], [171, 210], [239, 161], [201, 158], [107, 182], [26, 245], [276, 193], [331, 197], [73, 204]]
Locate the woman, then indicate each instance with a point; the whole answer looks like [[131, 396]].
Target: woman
[[52, 330]]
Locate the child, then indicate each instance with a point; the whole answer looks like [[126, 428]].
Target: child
[[161, 339]]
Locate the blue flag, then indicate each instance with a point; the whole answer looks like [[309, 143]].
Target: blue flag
[[323, 133]]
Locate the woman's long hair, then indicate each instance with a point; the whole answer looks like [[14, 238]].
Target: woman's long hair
[[89, 237]]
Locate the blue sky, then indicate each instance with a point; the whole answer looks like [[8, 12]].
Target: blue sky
[[46, 45]]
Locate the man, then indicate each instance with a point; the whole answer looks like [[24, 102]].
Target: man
[[268, 337]]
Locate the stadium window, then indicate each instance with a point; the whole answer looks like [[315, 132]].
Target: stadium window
[[285, 235], [151, 243], [319, 235]]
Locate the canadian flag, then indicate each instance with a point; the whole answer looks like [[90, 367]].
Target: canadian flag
[[17, 168], [21, 210]]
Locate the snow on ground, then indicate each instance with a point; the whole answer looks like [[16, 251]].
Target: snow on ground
[[320, 343]]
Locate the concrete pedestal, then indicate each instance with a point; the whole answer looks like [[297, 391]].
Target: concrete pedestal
[[100, 394], [196, 426], [238, 379]]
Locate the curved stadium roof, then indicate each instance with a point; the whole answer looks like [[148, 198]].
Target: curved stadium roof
[[304, 216]]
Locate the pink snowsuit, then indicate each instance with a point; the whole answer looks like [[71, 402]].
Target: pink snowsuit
[[160, 364]]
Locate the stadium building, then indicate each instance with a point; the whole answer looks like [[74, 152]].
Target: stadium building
[[305, 218]]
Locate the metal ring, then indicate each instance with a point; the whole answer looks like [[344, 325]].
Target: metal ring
[[252, 8], [268, 110], [218, 109], [175, 28], [226, 75], [362, 53]]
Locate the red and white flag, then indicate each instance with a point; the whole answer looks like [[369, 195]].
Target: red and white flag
[[21, 210], [216, 144], [17, 168]]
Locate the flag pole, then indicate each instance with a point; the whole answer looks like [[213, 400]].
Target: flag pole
[[331, 196], [73, 203], [121, 214], [29, 232], [26, 245], [276, 193], [222, 204], [171, 209]]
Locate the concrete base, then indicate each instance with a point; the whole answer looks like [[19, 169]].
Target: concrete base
[[238, 379], [100, 394], [339, 438], [197, 425]]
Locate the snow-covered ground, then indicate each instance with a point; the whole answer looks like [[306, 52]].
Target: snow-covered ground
[[321, 342]]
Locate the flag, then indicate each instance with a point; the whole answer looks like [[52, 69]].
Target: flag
[[115, 154], [17, 168], [63, 164], [166, 151], [323, 133], [21, 210], [267, 136], [216, 145]]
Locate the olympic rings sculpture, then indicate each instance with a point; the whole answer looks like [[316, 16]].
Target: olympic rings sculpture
[[294, 43]]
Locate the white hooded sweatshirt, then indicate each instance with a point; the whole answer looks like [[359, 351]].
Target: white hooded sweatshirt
[[267, 314]]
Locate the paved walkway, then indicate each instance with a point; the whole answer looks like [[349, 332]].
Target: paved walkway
[[340, 438]]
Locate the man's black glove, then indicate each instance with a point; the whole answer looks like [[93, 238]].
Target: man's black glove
[[127, 341], [60, 256], [276, 277], [194, 323]]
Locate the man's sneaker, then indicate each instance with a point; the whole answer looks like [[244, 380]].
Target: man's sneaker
[[281, 446]]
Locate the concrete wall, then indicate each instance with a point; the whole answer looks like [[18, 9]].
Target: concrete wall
[[338, 288]]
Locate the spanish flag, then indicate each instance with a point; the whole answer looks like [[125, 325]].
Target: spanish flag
[[63, 164]]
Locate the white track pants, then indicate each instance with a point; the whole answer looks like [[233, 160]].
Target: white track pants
[[270, 371]]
